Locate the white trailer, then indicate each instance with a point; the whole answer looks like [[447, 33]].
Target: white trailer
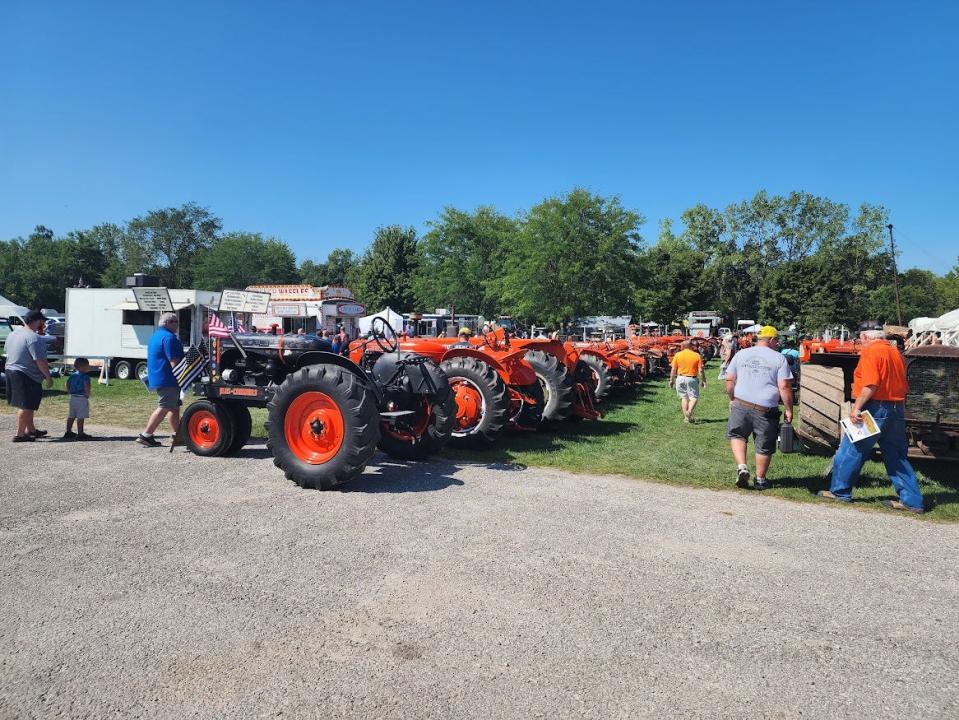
[[107, 324]]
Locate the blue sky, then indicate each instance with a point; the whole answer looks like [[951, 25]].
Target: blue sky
[[317, 121]]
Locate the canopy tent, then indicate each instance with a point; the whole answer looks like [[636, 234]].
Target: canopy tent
[[391, 316], [8, 308], [751, 329]]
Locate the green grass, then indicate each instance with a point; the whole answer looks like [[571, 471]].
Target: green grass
[[641, 436]]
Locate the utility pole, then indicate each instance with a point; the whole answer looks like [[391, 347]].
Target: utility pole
[[895, 275]]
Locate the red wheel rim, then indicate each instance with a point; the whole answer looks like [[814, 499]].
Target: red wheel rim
[[314, 428], [204, 429], [470, 406]]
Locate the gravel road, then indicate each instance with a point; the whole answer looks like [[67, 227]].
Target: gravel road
[[140, 583]]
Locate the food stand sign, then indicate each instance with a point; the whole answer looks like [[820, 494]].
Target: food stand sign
[[153, 299], [243, 301], [288, 309], [350, 309]]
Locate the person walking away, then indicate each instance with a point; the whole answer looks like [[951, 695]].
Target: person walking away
[[687, 371], [879, 386], [757, 379], [163, 353], [78, 385], [27, 370], [728, 348]]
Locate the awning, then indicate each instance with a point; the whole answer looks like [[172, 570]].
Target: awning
[[131, 305]]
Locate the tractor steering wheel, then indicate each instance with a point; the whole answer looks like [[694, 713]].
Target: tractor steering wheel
[[386, 342]]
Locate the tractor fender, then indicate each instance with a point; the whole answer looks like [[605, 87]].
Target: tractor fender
[[318, 357], [604, 358]]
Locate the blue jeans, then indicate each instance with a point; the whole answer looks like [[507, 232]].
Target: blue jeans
[[891, 419]]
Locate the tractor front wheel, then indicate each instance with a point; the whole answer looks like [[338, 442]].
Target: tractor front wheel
[[482, 402], [323, 426], [208, 428]]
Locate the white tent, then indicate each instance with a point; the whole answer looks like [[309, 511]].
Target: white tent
[[391, 316], [8, 308], [751, 329]]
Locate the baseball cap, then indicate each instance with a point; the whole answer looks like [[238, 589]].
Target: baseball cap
[[33, 316], [768, 331]]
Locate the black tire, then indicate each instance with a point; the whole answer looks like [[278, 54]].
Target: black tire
[[352, 398], [434, 438], [141, 370], [207, 428], [242, 427], [530, 416], [601, 375], [123, 370], [556, 383], [495, 401]]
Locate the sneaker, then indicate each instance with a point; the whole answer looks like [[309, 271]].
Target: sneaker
[[39, 433], [24, 438], [84, 436], [69, 435], [762, 484], [147, 441], [829, 496], [896, 505], [686, 419], [742, 477]]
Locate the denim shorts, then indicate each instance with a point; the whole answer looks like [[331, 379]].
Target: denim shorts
[[763, 426]]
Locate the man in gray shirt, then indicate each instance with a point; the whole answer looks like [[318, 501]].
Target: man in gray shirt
[[26, 370], [756, 379]]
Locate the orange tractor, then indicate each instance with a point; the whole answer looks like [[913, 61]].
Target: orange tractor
[[565, 373], [494, 389]]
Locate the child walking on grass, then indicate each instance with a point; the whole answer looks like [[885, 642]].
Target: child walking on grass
[[78, 385]]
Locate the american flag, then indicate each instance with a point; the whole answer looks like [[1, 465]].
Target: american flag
[[190, 368], [219, 330]]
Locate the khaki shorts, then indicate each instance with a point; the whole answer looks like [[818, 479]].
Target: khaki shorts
[[79, 407], [168, 398], [687, 387]]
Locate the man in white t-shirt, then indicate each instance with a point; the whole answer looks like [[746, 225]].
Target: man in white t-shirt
[[757, 378]]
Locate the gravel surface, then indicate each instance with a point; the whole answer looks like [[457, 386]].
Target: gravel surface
[[143, 583]]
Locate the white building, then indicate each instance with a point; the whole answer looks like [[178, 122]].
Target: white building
[[315, 309]]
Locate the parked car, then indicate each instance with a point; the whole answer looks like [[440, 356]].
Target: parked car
[[5, 330]]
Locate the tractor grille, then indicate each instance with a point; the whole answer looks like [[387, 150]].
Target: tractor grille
[[933, 375]]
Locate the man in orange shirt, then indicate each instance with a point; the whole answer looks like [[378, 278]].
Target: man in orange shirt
[[879, 386], [686, 374]]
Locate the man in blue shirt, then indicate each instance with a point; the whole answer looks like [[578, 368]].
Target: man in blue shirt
[[163, 353]]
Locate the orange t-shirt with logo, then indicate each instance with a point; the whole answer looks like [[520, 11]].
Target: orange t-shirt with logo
[[687, 362], [880, 364]]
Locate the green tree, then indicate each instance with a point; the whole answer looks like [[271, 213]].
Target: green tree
[[669, 274], [919, 295], [239, 259], [337, 270], [167, 241], [461, 260], [574, 255], [949, 290], [384, 276]]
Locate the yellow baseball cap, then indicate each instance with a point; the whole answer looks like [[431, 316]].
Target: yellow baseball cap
[[768, 331]]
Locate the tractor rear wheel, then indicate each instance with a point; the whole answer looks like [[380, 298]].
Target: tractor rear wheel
[[601, 375], [242, 426], [556, 382], [208, 428], [482, 402], [529, 416], [430, 430], [822, 404], [324, 426]]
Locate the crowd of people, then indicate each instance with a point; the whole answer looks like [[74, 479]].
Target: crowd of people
[[758, 379]]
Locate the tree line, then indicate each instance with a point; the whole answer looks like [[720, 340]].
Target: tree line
[[772, 258]]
